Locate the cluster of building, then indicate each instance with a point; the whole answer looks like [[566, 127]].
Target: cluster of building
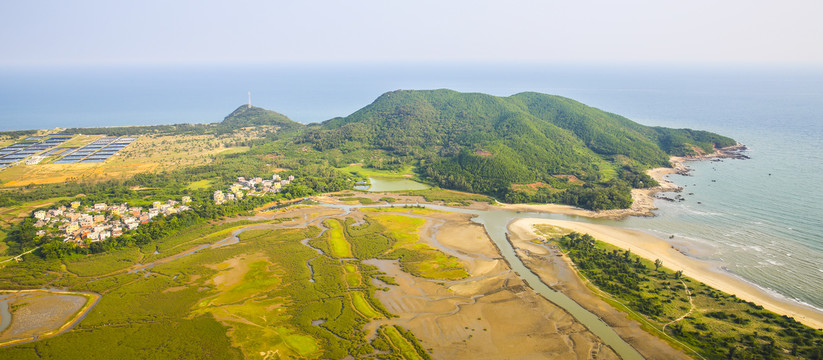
[[251, 187], [101, 221]]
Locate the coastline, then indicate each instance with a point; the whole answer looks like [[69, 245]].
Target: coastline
[[643, 199], [651, 247]]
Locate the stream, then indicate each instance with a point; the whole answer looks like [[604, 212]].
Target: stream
[[496, 222]]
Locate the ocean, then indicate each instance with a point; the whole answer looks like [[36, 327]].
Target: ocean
[[761, 219]]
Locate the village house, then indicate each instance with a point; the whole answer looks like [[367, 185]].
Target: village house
[[72, 227], [73, 216], [86, 221], [132, 224], [185, 199]]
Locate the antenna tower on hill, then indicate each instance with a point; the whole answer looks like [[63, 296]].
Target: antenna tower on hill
[[249, 99]]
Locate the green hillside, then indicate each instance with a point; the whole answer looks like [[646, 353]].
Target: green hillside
[[246, 116], [486, 144]]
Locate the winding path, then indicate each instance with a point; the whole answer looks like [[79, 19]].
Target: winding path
[[691, 303]]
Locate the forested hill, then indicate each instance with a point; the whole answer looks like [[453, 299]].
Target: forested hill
[[246, 116], [488, 144], [243, 117]]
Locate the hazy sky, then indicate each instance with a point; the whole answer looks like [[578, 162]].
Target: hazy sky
[[593, 31]]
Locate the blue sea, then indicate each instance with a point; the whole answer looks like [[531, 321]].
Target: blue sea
[[760, 218]]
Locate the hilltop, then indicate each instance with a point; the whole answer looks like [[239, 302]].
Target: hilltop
[[246, 116]]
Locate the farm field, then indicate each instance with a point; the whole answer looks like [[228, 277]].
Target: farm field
[[146, 154]]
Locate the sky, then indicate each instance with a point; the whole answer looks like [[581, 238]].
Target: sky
[[105, 32]]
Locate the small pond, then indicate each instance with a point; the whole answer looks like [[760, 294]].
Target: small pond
[[389, 184]]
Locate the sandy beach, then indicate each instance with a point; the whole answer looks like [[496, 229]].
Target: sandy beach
[[651, 247]]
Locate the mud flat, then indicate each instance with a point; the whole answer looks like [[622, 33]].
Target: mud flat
[[557, 272], [36, 314], [493, 312]]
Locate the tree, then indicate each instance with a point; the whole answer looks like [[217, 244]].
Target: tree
[[657, 264], [678, 274]]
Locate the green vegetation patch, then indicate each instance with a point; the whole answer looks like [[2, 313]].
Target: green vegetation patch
[[402, 341], [409, 209], [204, 233], [100, 264], [337, 240], [361, 200], [370, 171], [415, 257], [200, 184], [362, 305], [449, 197]]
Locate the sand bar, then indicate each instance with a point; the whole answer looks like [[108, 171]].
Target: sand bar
[[651, 247]]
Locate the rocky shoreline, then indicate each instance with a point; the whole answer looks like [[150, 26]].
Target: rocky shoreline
[[643, 204]]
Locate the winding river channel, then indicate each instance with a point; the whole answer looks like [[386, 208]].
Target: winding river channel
[[496, 223]]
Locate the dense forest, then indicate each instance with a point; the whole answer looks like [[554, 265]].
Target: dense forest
[[485, 144]]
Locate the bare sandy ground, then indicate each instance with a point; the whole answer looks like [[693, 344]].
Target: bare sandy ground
[[651, 247], [490, 315], [557, 272]]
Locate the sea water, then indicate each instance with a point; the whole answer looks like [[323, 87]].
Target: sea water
[[759, 218]]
